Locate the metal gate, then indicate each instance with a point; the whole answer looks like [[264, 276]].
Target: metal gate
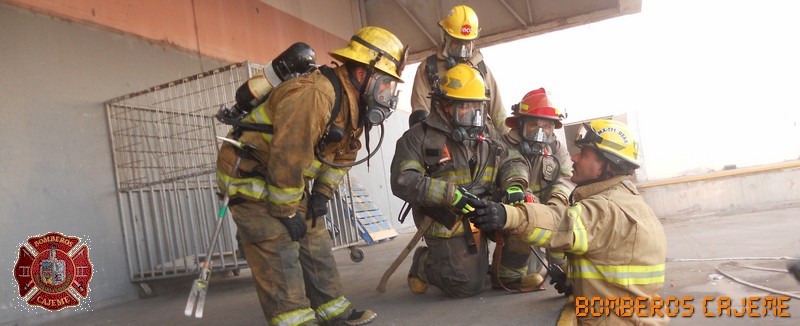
[[164, 151]]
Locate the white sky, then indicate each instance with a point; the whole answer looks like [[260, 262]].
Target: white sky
[[709, 82]]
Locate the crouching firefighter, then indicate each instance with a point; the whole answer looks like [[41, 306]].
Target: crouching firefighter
[[615, 244], [305, 121], [440, 166]]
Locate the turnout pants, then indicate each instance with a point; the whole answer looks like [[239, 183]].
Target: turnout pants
[[516, 259], [450, 267], [297, 282]]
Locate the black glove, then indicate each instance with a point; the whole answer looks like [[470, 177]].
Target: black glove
[[317, 206], [514, 195], [466, 202], [559, 280], [490, 217], [295, 225]]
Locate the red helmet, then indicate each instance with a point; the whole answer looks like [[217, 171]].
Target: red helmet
[[534, 104]]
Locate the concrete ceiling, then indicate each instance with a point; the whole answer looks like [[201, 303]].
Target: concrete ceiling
[[416, 21]]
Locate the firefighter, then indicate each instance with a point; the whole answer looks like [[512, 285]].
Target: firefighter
[[437, 167], [273, 206], [460, 29], [532, 124], [615, 244]]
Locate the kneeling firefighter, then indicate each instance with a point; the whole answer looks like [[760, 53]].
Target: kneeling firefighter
[[438, 165], [532, 126], [305, 121]]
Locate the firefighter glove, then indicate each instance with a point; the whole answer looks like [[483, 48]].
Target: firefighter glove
[[490, 217], [465, 202], [514, 195], [559, 280], [296, 226], [318, 204]]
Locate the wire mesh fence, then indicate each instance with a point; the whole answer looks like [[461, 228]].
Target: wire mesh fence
[[164, 151]]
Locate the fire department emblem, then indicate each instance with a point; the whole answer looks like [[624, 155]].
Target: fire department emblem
[[466, 29], [53, 272]]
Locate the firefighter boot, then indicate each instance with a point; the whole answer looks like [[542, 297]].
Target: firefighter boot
[[527, 283], [415, 281], [360, 317]]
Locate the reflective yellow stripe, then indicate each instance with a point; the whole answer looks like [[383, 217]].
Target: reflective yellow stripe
[[581, 240], [620, 274], [294, 317], [331, 176], [332, 309], [411, 165], [463, 176], [539, 237], [440, 231], [283, 196], [251, 187], [259, 116], [566, 169], [511, 273], [436, 193], [312, 171]]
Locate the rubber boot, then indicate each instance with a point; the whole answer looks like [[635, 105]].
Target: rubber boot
[[415, 282], [527, 282]]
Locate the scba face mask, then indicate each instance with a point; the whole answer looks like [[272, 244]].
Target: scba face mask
[[381, 98], [537, 130], [467, 118], [459, 49]]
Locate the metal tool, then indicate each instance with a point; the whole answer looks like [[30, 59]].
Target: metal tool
[[197, 296]]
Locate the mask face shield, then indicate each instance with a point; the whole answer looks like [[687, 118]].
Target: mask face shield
[[384, 90], [537, 130], [382, 98], [466, 114], [459, 49]]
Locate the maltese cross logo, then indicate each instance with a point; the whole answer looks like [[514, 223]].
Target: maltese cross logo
[[466, 29], [53, 272]]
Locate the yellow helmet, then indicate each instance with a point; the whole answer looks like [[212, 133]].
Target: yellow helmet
[[462, 82], [461, 23], [371, 43], [612, 138]]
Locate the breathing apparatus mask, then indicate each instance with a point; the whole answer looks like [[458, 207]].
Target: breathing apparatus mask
[[379, 98], [536, 134], [457, 49], [467, 118]]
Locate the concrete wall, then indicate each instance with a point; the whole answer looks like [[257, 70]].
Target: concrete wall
[[726, 192], [228, 30], [339, 17], [55, 166]]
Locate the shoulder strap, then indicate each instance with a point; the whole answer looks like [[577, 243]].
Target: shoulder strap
[[432, 70], [433, 144], [329, 73], [265, 128], [482, 69]]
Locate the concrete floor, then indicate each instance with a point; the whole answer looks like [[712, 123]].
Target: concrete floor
[[232, 300]]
